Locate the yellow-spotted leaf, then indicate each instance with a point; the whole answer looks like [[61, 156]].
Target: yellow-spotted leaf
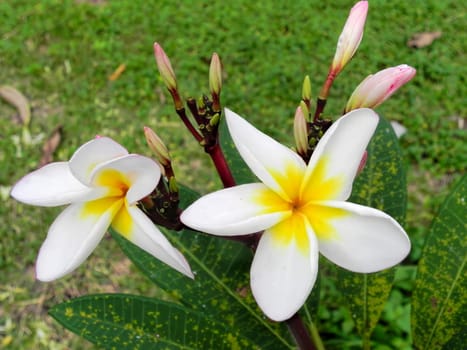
[[439, 301], [381, 185], [221, 288], [129, 322]]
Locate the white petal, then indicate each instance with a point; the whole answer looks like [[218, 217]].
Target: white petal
[[71, 239], [282, 277], [148, 237], [92, 153], [142, 173], [52, 185], [234, 211], [274, 164], [365, 239], [340, 151]]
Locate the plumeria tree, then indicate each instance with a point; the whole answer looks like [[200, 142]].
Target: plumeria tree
[[242, 265]]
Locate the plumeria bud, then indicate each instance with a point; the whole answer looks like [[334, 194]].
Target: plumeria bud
[[157, 146], [351, 36], [215, 120], [306, 89], [300, 129], [305, 111], [377, 88], [165, 68], [215, 75], [173, 187]]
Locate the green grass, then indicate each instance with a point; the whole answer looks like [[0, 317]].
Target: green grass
[[60, 54]]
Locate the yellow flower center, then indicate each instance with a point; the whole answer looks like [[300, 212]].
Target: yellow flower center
[[114, 202], [304, 204]]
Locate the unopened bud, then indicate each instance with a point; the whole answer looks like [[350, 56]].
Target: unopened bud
[[157, 146], [351, 36], [214, 121], [305, 110], [165, 68], [173, 187], [215, 75], [306, 89], [377, 88], [300, 129]]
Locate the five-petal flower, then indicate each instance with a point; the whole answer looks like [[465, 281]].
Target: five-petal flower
[[102, 183], [302, 210]]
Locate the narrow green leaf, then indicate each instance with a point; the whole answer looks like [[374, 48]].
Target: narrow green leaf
[[439, 302], [120, 321], [381, 185], [221, 286]]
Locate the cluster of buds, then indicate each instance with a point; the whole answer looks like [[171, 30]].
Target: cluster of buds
[[309, 123], [307, 132], [162, 205], [206, 111], [373, 91]]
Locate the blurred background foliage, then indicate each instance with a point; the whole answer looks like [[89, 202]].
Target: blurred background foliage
[[60, 55]]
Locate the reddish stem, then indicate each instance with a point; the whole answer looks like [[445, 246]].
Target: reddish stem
[[300, 333], [217, 156], [320, 104], [181, 113], [323, 95]]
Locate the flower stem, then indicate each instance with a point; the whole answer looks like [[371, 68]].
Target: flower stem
[[323, 95], [300, 333], [366, 342], [218, 158], [320, 104], [316, 337], [181, 113]]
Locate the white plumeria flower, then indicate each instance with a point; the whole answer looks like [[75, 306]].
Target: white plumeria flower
[[302, 210], [102, 183]]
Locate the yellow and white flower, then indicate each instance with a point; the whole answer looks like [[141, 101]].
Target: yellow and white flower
[[102, 183], [302, 210]]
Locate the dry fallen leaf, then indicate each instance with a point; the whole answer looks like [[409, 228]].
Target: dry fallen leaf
[[19, 101], [117, 72], [419, 40], [50, 146]]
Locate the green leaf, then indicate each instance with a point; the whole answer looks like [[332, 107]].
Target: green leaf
[[120, 321], [240, 171], [439, 302], [381, 185], [221, 286]]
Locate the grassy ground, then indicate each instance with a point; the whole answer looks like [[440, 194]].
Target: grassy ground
[[61, 53]]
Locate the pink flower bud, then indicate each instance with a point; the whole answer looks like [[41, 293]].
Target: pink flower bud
[[350, 37], [215, 74], [377, 88], [165, 68]]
